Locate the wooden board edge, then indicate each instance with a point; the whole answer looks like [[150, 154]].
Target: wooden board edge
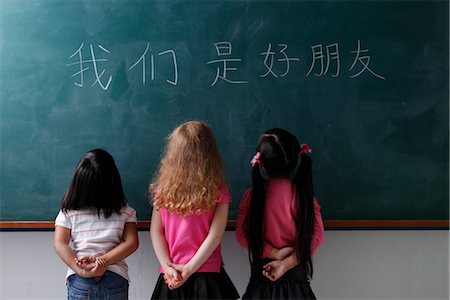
[[231, 225]]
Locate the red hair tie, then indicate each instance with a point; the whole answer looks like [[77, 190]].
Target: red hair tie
[[304, 148], [255, 160]]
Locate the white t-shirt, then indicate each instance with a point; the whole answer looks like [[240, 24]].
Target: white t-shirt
[[92, 235]]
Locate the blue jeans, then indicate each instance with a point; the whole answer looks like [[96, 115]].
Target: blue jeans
[[111, 286]]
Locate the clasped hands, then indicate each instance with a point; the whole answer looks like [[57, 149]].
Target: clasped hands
[[283, 261], [91, 266], [176, 275]]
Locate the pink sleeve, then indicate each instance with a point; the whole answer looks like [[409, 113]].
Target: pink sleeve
[[318, 234], [224, 195], [242, 213], [267, 248], [240, 234]]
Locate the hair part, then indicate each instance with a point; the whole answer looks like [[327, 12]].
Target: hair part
[[95, 184], [190, 173], [280, 152]]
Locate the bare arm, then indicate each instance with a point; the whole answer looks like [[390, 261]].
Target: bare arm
[[212, 240], [61, 245], [158, 240], [129, 244], [277, 268], [161, 249], [281, 253], [208, 246]]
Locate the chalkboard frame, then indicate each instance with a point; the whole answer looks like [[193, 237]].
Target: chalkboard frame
[[325, 161]]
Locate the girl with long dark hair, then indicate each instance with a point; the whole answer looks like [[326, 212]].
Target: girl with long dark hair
[[95, 230], [279, 219]]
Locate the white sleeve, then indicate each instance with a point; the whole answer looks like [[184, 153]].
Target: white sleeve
[[63, 220], [130, 215]]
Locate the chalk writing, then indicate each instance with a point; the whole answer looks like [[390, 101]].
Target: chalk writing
[[325, 60], [81, 63], [364, 60], [175, 67], [152, 65], [269, 58], [142, 59], [224, 49], [332, 54]]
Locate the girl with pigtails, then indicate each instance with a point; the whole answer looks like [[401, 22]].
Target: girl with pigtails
[[279, 219]]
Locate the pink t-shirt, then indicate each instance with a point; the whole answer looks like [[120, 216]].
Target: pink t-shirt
[[279, 229], [185, 234]]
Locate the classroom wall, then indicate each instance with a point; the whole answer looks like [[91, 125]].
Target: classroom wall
[[349, 265]]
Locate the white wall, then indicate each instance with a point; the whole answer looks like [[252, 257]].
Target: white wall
[[349, 265]]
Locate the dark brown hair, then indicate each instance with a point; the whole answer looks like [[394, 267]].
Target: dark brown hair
[[95, 184]]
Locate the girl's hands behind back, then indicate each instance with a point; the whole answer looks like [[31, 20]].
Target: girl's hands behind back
[[86, 262], [277, 268], [183, 272], [97, 271], [282, 253], [171, 277]]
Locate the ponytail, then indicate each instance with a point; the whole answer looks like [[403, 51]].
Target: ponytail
[[253, 224], [305, 212]]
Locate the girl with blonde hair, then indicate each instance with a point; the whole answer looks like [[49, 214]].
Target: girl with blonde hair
[[190, 211]]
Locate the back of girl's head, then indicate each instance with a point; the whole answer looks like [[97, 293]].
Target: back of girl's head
[[190, 172], [96, 184], [279, 155], [279, 152]]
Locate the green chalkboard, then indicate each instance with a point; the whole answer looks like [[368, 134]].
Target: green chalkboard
[[364, 83]]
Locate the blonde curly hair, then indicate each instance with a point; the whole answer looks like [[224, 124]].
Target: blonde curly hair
[[190, 173]]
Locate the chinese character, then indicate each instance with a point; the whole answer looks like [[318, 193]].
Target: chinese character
[[175, 67], [331, 55], [224, 49], [81, 63], [142, 59], [364, 60], [152, 64], [269, 58]]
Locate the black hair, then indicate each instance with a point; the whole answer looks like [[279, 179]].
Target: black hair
[[95, 184], [279, 157]]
